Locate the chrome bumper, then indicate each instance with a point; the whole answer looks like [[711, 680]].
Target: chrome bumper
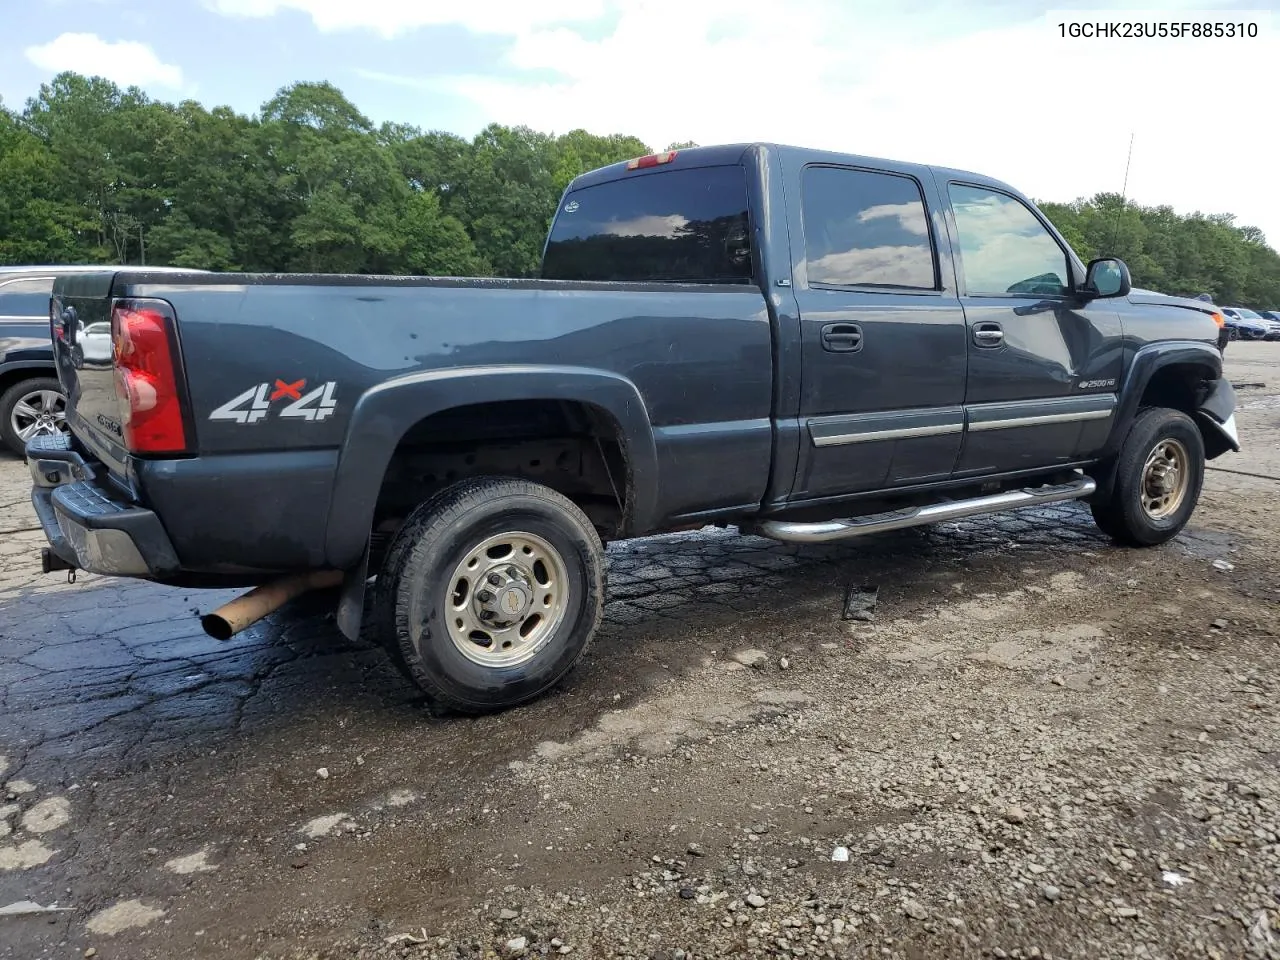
[[90, 525]]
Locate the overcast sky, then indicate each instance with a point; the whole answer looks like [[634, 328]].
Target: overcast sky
[[990, 87]]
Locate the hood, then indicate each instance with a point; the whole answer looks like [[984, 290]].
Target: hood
[[1139, 296]]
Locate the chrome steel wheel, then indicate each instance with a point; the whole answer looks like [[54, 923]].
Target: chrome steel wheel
[[505, 599], [39, 412], [1164, 479]]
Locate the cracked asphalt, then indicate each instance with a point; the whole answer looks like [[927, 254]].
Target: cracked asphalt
[[287, 794]]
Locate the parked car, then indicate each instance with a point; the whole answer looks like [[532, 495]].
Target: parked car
[[1202, 304], [1272, 317], [31, 401], [1244, 324], [810, 346]]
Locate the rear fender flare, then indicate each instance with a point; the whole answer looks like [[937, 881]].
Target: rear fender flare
[[34, 368], [384, 414]]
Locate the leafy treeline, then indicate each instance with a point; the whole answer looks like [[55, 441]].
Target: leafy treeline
[[1187, 255], [93, 173]]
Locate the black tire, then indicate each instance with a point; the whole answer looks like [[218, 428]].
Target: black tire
[[1124, 517], [416, 586], [9, 399], [1234, 334]]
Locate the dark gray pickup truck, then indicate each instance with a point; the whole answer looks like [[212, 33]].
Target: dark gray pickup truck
[[807, 345]]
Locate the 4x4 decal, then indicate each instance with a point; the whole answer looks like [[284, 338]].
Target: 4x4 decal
[[256, 403]]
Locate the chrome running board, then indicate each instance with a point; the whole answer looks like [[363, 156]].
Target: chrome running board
[[918, 516]]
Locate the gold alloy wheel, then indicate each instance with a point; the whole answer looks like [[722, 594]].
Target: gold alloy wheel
[[1165, 478], [506, 598]]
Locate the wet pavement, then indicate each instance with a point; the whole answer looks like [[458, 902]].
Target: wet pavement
[[120, 672], [167, 787]]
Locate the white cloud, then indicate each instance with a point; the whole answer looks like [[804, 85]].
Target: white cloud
[[125, 62], [393, 17], [910, 216], [900, 266], [1052, 116]]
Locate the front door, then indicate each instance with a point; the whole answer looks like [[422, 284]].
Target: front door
[[882, 332], [1044, 366]]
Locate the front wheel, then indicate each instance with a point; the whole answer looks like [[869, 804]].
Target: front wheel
[[1159, 473], [490, 593]]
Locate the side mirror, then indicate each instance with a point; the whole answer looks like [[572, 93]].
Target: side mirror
[[1107, 277]]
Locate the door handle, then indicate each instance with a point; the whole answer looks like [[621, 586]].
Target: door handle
[[842, 337], [988, 334]]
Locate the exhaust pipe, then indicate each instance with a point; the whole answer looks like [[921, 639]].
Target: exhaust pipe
[[230, 618]]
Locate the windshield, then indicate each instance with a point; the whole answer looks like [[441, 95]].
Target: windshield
[[1247, 314]]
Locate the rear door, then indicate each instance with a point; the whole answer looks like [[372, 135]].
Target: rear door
[[883, 335], [1044, 368]]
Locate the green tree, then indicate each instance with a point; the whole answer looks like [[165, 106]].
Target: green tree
[[104, 141], [37, 223], [336, 182], [223, 193], [92, 172]]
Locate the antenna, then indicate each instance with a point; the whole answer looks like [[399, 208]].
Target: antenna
[[1124, 193]]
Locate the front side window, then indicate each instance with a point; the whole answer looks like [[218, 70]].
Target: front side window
[[28, 297], [1004, 248], [678, 225], [865, 229]]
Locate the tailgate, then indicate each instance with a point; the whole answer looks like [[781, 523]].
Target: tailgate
[[81, 321]]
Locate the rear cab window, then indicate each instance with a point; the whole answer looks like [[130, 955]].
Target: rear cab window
[[866, 228], [26, 298], [683, 226]]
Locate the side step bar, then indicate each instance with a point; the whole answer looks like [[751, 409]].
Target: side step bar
[[918, 516]]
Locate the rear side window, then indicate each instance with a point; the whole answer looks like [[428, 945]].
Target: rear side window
[[865, 229], [26, 297], [679, 225]]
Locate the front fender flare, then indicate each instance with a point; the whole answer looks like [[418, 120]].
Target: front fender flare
[[1146, 362], [384, 414]]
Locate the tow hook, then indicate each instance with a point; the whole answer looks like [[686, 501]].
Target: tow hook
[[51, 562]]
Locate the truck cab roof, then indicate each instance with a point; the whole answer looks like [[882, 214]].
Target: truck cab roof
[[735, 152]]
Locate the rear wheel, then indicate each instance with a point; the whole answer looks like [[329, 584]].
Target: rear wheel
[[31, 408], [1159, 473], [490, 592]]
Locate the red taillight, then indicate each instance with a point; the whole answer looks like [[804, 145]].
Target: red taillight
[[146, 375], [652, 160]]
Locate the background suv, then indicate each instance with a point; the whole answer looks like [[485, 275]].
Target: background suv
[[1273, 318]]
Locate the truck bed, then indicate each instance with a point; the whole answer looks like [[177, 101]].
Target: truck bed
[[299, 387]]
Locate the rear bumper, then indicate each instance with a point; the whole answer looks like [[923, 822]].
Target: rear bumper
[[88, 523]]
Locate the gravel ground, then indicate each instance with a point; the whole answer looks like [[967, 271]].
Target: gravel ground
[[1040, 746]]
